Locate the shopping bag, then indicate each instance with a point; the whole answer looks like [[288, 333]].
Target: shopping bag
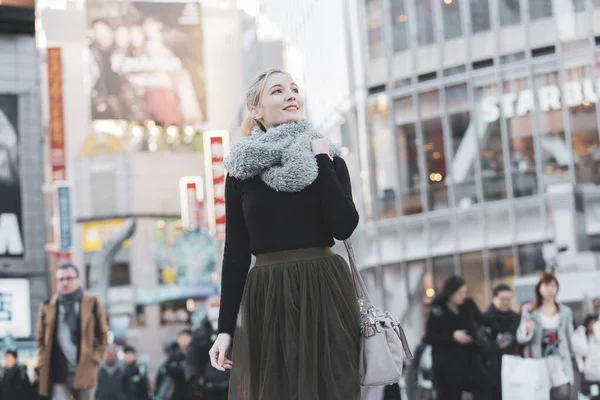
[[525, 378]]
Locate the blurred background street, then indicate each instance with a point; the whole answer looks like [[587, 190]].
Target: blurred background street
[[470, 129]]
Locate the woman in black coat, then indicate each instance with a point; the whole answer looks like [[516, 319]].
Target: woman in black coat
[[452, 331]]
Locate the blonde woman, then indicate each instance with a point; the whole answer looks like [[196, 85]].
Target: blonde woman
[[288, 196]]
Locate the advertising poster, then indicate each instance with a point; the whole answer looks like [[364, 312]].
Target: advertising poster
[[146, 61], [11, 238], [15, 315], [94, 234]]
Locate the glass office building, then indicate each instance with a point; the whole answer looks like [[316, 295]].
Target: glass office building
[[474, 109]]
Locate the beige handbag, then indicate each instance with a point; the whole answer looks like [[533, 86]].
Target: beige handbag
[[383, 346]]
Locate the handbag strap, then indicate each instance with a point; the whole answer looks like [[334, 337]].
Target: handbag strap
[[365, 299], [361, 288]]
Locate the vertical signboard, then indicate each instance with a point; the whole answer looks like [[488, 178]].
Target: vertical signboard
[[146, 61], [62, 202], [57, 131], [191, 190], [59, 199], [11, 238], [216, 147]]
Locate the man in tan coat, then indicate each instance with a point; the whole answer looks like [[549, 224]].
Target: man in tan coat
[[71, 339]]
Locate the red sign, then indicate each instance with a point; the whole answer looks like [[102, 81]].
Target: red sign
[[57, 131], [192, 202], [216, 147]]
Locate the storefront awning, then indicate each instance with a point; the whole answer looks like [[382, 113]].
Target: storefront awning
[[164, 293]]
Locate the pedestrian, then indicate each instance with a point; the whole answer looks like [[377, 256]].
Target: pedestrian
[[173, 369], [288, 196], [136, 376], [452, 331], [586, 345], [507, 322], [548, 328], [112, 380], [71, 338], [209, 382], [14, 382]]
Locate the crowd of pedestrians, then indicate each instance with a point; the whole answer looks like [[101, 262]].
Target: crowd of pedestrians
[[537, 353], [76, 362], [491, 355]]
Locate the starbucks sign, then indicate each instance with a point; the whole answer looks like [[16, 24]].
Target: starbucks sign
[[551, 97]]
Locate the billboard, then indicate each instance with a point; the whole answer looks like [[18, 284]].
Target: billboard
[[94, 234], [15, 311], [11, 238], [146, 61]]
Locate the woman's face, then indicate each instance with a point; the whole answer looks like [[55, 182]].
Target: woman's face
[[548, 290], [280, 102], [458, 298]]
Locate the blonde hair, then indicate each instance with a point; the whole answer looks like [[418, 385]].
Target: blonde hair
[[253, 97]]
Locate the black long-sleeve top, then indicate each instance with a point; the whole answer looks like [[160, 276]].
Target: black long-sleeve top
[[262, 220], [447, 354]]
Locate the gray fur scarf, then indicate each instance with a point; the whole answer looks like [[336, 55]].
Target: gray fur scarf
[[282, 156]]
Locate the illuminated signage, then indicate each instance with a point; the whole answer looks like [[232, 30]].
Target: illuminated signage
[[216, 147], [549, 97]]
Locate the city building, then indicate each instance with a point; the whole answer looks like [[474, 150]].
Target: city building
[[23, 266], [482, 129]]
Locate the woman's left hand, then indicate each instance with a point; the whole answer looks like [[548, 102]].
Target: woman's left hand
[[320, 146]]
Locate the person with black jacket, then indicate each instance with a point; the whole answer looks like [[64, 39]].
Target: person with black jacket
[[112, 384], [211, 383], [454, 330], [507, 322], [14, 382], [173, 371], [136, 376]]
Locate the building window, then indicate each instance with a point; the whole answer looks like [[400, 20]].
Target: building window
[[581, 96], [480, 16], [443, 268], [174, 313], [394, 286], [399, 25], [404, 115], [578, 5], [502, 266], [594, 243], [119, 274], [556, 156], [539, 9], [434, 149], [374, 29], [490, 141], [510, 12], [464, 145], [382, 151], [471, 267], [425, 24], [140, 316], [531, 259], [451, 17], [516, 104]]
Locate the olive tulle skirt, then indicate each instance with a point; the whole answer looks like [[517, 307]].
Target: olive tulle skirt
[[298, 330]]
